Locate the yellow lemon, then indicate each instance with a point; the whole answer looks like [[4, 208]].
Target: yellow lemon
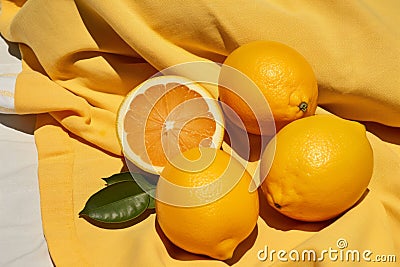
[[321, 167], [283, 76], [214, 211]]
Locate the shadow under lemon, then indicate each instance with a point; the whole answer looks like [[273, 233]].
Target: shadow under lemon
[[250, 150]]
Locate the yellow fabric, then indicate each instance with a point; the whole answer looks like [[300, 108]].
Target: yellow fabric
[[81, 57]]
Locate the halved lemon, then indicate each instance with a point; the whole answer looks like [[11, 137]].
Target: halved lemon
[[166, 115]]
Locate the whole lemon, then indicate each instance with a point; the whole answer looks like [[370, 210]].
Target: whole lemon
[[285, 80], [321, 167], [214, 211]]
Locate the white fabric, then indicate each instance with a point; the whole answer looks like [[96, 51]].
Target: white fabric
[[21, 237]]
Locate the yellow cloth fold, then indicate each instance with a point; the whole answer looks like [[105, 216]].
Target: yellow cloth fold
[[80, 58]]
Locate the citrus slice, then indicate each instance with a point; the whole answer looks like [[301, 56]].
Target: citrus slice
[[166, 115]]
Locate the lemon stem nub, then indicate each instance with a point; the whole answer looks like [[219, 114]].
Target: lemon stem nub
[[277, 205], [303, 106]]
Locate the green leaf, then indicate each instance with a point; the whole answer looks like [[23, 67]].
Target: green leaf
[[152, 202], [128, 176], [118, 202], [119, 177]]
